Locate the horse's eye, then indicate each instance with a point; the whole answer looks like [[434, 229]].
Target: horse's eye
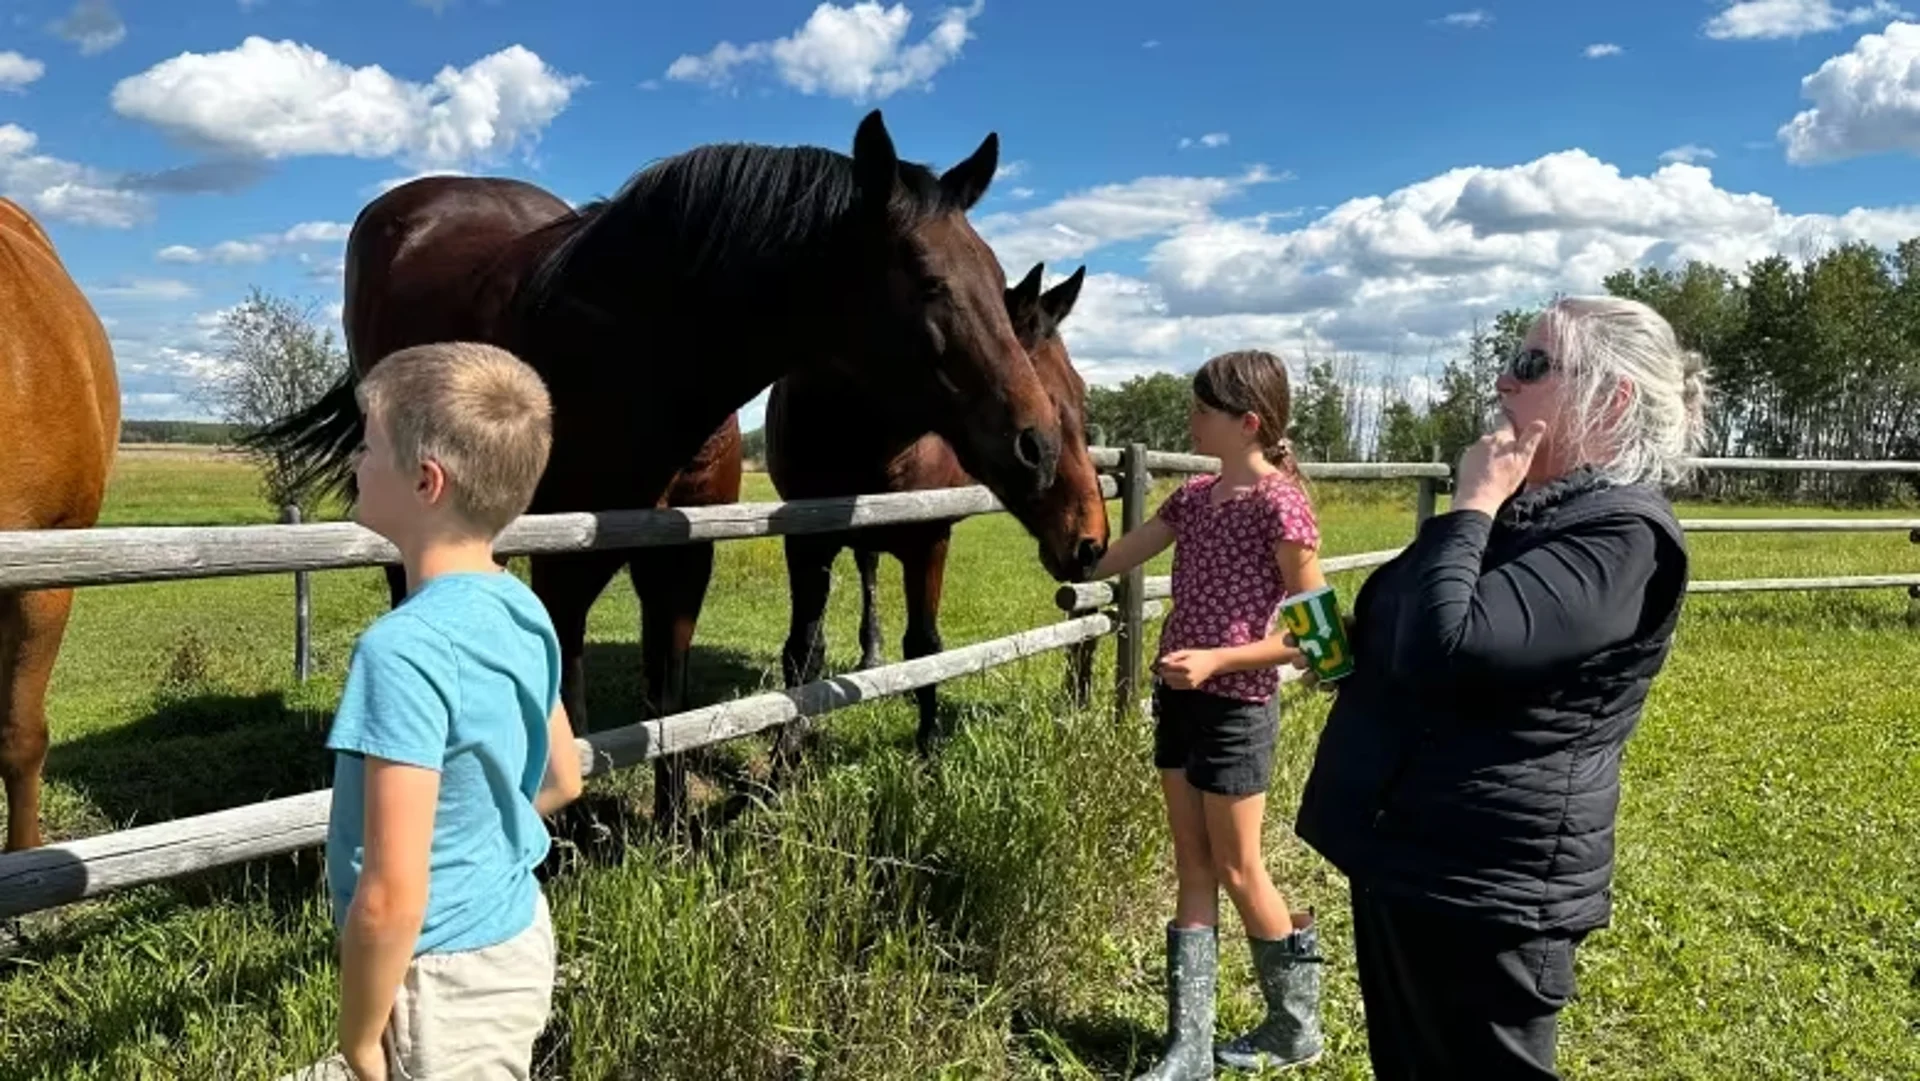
[[934, 289]]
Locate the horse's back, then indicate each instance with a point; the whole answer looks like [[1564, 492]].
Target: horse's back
[[59, 394], [826, 439], [438, 259]]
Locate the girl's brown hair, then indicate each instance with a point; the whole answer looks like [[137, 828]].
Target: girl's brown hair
[[1252, 381]]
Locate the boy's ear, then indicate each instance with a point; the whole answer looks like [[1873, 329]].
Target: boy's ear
[[432, 482]]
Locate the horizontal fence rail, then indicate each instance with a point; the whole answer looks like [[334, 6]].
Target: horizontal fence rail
[[1160, 461], [1909, 582], [1163, 461], [1909, 526], [61, 874], [58, 558], [1088, 596], [1811, 465]]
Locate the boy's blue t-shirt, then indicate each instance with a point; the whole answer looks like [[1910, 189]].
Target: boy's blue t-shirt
[[461, 679]]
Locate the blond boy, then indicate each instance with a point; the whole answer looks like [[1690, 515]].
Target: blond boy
[[450, 742]]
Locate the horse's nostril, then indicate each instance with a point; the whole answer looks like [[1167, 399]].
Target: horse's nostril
[[1089, 553], [1028, 450]]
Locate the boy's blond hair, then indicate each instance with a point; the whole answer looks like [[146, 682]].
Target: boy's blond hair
[[478, 410]]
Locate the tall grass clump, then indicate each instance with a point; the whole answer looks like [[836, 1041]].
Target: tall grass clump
[[893, 918]]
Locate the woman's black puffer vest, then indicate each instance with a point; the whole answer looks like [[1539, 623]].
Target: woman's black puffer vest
[[1485, 777]]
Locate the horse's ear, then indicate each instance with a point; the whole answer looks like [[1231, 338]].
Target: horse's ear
[[1059, 300], [876, 168], [1026, 296], [966, 182]]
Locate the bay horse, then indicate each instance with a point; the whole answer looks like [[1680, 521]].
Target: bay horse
[[654, 314], [60, 412], [823, 440]]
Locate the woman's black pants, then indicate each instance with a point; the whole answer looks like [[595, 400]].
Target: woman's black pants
[[1448, 996]]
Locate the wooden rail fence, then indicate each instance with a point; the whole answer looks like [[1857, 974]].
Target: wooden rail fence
[[71, 871]]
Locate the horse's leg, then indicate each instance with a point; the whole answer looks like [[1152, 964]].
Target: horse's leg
[[568, 585], [31, 626], [867, 560], [809, 581], [672, 586], [923, 566]]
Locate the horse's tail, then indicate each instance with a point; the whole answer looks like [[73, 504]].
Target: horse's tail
[[313, 448]]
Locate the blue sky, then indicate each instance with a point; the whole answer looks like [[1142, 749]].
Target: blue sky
[[1362, 180]]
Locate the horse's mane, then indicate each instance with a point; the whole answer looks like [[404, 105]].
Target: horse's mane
[[723, 214]]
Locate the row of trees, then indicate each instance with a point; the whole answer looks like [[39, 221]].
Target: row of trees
[[1812, 359], [1339, 413]]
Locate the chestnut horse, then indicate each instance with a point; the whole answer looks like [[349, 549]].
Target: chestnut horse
[[60, 412], [654, 314], [823, 440]]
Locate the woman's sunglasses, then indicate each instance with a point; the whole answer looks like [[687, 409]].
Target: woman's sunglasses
[[1530, 365]]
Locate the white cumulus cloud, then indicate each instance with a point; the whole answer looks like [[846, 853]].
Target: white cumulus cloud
[[17, 71], [63, 190], [282, 99], [1688, 153], [1405, 274], [259, 248], [317, 232], [1770, 19], [147, 289], [1468, 19], [93, 25], [859, 52], [1212, 140], [1866, 101], [1111, 213], [1601, 49]]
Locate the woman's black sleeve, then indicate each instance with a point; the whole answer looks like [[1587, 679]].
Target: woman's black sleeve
[[1559, 602]]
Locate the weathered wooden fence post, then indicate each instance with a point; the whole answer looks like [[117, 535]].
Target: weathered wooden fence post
[[1129, 661], [302, 610], [1424, 504]]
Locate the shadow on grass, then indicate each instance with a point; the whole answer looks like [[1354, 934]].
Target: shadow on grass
[[1107, 1046], [95, 1030], [714, 674], [194, 754], [1853, 610]]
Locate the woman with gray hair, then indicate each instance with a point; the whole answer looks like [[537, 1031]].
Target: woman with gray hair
[[1468, 778]]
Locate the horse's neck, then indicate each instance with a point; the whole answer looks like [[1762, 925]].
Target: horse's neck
[[832, 406]]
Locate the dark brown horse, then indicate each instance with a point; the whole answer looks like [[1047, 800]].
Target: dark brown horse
[[60, 415], [654, 314], [823, 440]]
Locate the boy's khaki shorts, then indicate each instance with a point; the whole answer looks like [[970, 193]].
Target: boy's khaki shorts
[[473, 1014]]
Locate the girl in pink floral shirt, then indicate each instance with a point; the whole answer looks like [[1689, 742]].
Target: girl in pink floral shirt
[[1243, 541]]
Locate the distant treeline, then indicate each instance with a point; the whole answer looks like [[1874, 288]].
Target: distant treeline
[[1819, 359], [200, 433]]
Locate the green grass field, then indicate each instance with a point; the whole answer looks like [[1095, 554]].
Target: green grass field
[[997, 911]]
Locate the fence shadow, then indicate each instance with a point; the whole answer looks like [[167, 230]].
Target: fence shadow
[[714, 674], [196, 754]]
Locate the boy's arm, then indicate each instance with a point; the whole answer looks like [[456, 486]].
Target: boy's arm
[[562, 784], [389, 903]]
